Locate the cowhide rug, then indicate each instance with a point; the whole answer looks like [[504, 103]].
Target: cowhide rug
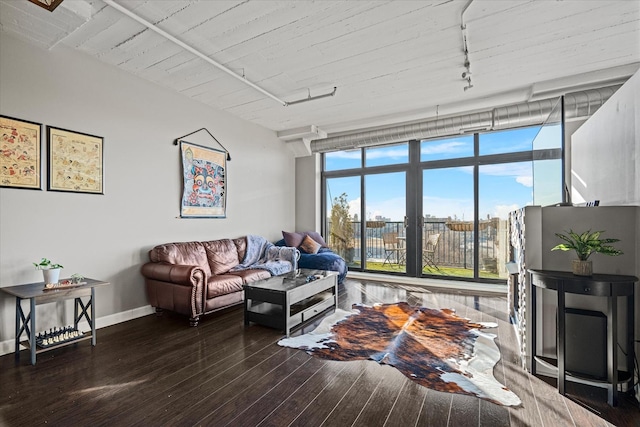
[[434, 348]]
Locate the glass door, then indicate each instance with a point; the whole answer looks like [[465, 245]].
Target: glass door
[[385, 209], [448, 222], [343, 218]]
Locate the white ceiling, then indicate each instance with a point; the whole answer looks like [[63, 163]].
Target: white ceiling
[[391, 61]]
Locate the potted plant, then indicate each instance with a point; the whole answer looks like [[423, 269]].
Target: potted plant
[[50, 270], [585, 244]]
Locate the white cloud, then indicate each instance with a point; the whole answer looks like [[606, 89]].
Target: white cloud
[[443, 147], [351, 154], [527, 181], [502, 211], [522, 172], [354, 207], [389, 153]]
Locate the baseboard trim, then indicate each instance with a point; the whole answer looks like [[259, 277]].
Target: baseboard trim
[[8, 346]]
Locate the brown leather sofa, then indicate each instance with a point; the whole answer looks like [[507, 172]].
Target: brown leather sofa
[[193, 278]]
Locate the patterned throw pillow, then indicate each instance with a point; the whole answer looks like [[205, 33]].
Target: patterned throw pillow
[[309, 245]]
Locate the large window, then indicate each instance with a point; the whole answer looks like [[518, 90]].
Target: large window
[[343, 217], [442, 204]]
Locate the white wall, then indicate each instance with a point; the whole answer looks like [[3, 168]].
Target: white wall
[[605, 151], [108, 236], [605, 160], [308, 190]]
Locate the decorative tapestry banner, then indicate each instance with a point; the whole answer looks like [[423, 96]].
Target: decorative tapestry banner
[[204, 193]]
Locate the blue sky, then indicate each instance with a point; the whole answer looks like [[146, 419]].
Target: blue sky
[[446, 192]]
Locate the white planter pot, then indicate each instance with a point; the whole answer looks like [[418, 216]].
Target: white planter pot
[[51, 276]]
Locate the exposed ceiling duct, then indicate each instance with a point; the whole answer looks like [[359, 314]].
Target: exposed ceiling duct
[[580, 104]]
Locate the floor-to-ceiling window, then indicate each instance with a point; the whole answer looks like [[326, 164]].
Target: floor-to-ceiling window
[[439, 207], [342, 202]]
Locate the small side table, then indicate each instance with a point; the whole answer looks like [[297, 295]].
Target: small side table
[[37, 294], [610, 286]]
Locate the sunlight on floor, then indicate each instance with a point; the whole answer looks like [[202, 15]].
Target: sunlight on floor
[[109, 390]]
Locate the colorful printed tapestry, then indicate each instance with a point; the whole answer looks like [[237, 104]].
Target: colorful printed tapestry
[[204, 192]]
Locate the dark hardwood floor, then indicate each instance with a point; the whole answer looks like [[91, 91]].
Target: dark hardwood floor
[[158, 371]]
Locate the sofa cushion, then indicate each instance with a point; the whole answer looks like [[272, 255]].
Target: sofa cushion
[[223, 284], [183, 253], [241, 245], [222, 255], [251, 275]]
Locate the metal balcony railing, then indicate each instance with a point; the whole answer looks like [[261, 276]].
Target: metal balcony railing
[[455, 245]]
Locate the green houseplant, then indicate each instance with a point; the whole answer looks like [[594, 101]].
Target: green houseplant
[[50, 270], [585, 244]]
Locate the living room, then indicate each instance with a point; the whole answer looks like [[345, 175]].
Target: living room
[[108, 236]]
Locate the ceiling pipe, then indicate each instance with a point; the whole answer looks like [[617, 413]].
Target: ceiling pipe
[[312, 98], [578, 104], [197, 53]]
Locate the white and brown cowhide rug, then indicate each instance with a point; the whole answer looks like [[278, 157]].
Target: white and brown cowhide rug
[[434, 348]]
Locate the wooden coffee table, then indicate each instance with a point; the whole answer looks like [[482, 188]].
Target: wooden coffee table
[[285, 303]]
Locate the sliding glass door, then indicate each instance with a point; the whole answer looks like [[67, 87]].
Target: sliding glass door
[[385, 203], [447, 232]]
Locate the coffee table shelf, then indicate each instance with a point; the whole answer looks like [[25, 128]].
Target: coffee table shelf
[[285, 303]]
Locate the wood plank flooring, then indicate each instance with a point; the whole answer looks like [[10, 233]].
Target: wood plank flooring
[[158, 371]]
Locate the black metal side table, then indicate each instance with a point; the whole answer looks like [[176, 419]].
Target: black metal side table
[[610, 286]]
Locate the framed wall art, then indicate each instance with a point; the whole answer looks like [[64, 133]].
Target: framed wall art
[[204, 192], [75, 161], [20, 153]]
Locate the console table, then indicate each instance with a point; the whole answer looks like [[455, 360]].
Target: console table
[[610, 286], [37, 294]]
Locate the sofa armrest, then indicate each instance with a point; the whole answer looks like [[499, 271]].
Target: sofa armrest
[[187, 275]]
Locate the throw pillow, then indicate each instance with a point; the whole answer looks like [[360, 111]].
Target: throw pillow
[[317, 237], [292, 239], [309, 245]]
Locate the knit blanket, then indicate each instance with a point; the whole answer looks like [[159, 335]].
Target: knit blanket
[[264, 255]]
